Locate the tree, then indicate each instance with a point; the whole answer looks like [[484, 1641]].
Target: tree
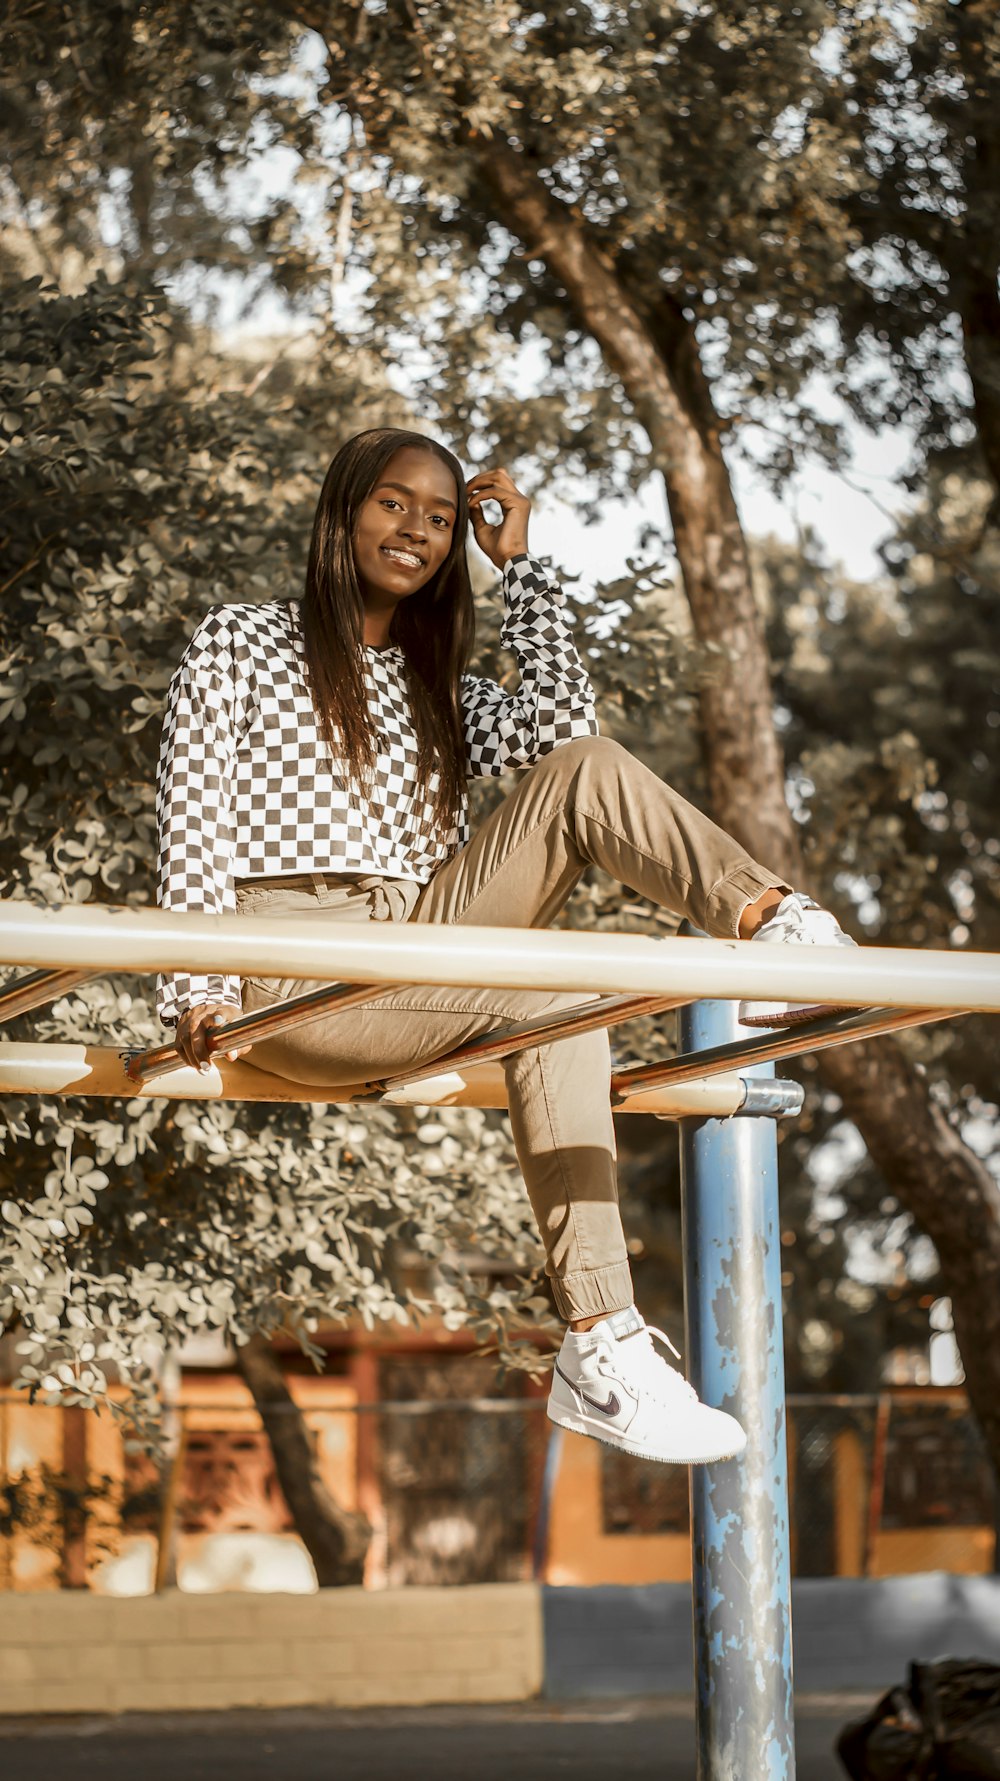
[[920, 287], [890, 695]]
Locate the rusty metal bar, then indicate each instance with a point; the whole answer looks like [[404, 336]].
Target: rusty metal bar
[[814, 1035], [605, 1011], [38, 988], [262, 1023], [296, 1010]]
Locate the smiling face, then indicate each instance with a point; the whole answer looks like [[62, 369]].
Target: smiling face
[[403, 534]]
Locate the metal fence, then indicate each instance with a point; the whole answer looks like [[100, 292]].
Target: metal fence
[[878, 1484], [476, 1489]]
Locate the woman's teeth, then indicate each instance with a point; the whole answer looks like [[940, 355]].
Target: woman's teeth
[[408, 560]]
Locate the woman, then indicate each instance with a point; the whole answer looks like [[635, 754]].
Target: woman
[[314, 762]]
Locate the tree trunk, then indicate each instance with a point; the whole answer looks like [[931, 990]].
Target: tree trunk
[[741, 748], [335, 1539], [980, 311], [951, 1194], [653, 350]]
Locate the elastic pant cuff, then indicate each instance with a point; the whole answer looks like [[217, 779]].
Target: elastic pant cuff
[[727, 900], [593, 1292]]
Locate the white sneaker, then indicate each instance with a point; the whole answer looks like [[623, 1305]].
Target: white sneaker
[[796, 921], [610, 1382]]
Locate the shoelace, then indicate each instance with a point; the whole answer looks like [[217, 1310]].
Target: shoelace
[[656, 1376]]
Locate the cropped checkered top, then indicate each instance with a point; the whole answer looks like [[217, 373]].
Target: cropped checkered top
[[246, 787]]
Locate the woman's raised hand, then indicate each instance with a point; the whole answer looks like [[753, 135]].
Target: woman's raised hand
[[508, 538], [193, 1029]]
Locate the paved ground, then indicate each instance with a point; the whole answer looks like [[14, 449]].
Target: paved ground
[[593, 1741]]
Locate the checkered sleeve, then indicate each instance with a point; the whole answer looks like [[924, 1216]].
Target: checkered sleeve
[[194, 819], [554, 701]]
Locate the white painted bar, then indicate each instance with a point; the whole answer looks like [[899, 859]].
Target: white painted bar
[[71, 1069], [143, 940]]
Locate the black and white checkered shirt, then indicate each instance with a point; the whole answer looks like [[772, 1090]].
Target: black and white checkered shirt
[[245, 786]]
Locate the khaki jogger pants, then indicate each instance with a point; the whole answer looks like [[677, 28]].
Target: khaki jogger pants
[[588, 802]]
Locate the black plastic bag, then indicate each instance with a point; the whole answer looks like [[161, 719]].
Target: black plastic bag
[[944, 1726]]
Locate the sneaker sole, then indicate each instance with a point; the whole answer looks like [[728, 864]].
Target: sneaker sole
[[581, 1425], [790, 1017]]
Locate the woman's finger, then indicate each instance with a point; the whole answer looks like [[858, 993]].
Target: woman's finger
[[237, 1051], [487, 478], [494, 491], [192, 1037], [214, 1020], [218, 1020], [183, 1040], [504, 500], [201, 1048], [199, 1042]]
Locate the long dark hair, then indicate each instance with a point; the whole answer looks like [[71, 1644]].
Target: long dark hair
[[434, 627]]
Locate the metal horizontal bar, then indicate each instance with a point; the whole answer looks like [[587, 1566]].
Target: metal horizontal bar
[[119, 938], [814, 1035], [922, 1397], [564, 1023], [377, 1406], [435, 1406], [38, 988], [71, 1069], [261, 1023]]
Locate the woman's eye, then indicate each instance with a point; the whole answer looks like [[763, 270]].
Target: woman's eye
[[440, 519]]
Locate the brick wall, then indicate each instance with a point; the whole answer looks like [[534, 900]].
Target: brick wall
[[73, 1652]]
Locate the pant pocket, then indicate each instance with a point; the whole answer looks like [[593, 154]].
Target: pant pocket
[[259, 992]]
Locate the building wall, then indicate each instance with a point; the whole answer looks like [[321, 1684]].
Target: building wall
[[30, 1437], [581, 1551], [79, 1653], [849, 1634]]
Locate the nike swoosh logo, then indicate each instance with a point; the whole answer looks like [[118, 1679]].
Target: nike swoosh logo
[[611, 1408]]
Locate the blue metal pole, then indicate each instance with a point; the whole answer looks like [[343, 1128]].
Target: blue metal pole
[[739, 1508]]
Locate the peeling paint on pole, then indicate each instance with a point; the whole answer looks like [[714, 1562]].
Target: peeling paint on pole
[[739, 1508]]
